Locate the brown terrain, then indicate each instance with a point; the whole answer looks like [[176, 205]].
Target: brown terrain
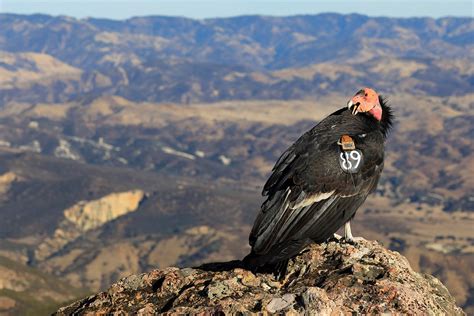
[[140, 144]]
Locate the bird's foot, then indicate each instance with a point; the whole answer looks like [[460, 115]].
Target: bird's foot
[[348, 238], [336, 237], [352, 240]]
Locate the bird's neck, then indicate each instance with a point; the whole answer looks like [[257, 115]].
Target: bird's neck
[[376, 112], [386, 120]]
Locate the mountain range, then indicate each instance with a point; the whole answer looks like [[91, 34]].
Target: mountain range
[[180, 60]]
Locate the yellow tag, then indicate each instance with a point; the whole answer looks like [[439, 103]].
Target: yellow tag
[[346, 142]]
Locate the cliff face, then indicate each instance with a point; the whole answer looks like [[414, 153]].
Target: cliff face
[[6, 181], [331, 278], [88, 215]]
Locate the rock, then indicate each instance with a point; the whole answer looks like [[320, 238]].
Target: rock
[[278, 304], [367, 272], [316, 300], [330, 278]]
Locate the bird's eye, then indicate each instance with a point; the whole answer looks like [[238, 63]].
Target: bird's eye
[[366, 94]]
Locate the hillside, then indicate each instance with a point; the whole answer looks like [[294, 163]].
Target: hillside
[[240, 140], [28, 291]]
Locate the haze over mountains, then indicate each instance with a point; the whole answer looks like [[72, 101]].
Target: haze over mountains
[[150, 138]]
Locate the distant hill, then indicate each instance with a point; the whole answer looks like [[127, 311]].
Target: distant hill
[[250, 57], [254, 41]]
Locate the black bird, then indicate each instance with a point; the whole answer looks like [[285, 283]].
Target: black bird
[[318, 183]]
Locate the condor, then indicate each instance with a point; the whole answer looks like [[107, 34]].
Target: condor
[[318, 183]]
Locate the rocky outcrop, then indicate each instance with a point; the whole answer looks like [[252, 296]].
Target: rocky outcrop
[[87, 215], [6, 181], [332, 278]]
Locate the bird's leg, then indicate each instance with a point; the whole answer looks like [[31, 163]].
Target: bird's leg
[[348, 233]]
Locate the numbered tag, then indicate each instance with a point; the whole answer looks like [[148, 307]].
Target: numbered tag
[[351, 161]]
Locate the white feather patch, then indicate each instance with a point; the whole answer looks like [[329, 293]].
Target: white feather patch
[[308, 200]]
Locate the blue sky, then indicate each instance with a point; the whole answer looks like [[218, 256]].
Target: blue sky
[[223, 8]]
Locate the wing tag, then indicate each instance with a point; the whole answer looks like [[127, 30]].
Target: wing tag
[[350, 158], [351, 161]]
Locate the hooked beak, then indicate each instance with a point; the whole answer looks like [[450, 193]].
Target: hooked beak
[[354, 106]]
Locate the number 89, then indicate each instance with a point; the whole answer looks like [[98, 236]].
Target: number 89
[[348, 158]]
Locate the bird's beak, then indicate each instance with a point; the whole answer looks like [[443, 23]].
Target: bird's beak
[[355, 107]]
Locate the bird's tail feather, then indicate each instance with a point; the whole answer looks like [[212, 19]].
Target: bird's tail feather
[[275, 261], [253, 262]]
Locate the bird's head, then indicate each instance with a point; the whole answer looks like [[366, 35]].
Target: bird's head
[[366, 101]]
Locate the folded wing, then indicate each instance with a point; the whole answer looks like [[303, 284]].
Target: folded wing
[[309, 196]]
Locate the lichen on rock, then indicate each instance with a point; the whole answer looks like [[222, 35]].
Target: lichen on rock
[[329, 278]]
